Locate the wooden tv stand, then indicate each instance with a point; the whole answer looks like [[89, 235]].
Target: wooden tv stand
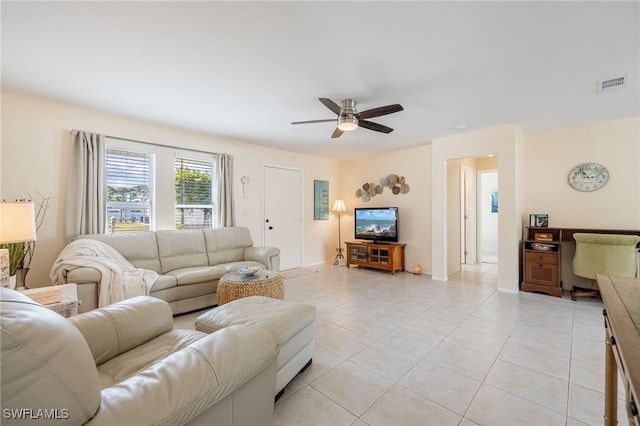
[[387, 256]]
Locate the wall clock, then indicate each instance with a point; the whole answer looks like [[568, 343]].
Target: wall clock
[[587, 177]]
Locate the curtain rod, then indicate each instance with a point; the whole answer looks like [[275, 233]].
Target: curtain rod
[[160, 145], [157, 144]]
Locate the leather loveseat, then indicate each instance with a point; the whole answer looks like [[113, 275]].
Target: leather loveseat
[[124, 364], [190, 263]]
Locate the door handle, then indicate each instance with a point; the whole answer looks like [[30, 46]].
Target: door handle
[[271, 227]]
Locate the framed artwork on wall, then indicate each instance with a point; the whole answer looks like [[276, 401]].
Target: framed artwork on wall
[[320, 200], [494, 201]]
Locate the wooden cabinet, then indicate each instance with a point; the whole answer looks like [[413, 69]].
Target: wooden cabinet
[[389, 256], [541, 262]]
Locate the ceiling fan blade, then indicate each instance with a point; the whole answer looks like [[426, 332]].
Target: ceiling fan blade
[[314, 121], [336, 133], [331, 105], [377, 112], [374, 126]]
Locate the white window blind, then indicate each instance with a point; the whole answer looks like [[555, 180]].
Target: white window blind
[[194, 193], [129, 190]]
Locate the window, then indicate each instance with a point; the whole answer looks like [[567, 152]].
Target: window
[[194, 193], [129, 191]]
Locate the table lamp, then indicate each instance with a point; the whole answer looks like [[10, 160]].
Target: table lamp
[[339, 207], [17, 226]]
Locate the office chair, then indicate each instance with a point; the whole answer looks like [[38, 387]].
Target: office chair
[[608, 254]]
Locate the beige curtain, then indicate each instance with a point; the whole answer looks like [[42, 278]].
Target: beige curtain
[[225, 214], [86, 199]]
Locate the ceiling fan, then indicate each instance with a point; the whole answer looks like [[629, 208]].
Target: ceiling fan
[[349, 119]]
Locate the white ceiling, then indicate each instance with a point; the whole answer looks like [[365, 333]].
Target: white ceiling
[[247, 69]]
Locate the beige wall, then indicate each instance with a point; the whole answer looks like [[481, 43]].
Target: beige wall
[[35, 143], [532, 170], [414, 207], [536, 168], [506, 142], [550, 156]]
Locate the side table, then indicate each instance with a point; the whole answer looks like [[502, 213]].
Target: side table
[[62, 299], [234, 286]]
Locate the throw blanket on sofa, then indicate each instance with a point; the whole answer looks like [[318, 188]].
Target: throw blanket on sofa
[[120, 279]]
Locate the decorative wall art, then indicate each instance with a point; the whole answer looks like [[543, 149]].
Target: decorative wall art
[[395, 183], [245, 186], [494, 201], [320, 200]]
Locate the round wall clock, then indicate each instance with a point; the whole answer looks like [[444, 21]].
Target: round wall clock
[[587, 177]]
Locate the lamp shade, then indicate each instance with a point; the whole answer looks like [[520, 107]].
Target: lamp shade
[[347, 122], [17, 222], [339, 207]]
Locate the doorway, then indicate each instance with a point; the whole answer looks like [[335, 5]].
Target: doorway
[[282, 213], [473, 236]]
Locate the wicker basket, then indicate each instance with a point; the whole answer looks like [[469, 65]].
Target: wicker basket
[[229, 290]]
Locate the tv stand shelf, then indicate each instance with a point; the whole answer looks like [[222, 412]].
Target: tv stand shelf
[[387, 256]]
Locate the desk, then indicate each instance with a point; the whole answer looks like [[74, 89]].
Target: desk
[[621, 298], [541, 269]]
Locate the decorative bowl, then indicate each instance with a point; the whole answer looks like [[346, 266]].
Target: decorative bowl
[[248, 270]]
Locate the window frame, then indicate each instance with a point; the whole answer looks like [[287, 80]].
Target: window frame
[[135, 149], [201, 158]]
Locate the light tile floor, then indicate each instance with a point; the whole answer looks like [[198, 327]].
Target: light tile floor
[[406, 350]]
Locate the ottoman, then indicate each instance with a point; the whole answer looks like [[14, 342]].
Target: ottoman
[[292, 323]]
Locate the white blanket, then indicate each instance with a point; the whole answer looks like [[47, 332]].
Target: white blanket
[[120, 279]]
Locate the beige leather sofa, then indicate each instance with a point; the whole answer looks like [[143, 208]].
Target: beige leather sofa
[[190, 263], [125, 365]]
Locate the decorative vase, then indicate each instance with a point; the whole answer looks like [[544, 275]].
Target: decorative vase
[[20, 276]]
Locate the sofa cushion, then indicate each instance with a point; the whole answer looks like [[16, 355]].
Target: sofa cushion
[[141, 357], [139, 248], [226, 245], [122, 326], [180, 386], [164, 282], [46, 362], [198, 274], [181, 249]]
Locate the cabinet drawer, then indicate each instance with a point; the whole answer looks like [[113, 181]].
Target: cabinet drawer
[[544, 258], [542, 274]]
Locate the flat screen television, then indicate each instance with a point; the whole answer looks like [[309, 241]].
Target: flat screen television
[[378, 224]]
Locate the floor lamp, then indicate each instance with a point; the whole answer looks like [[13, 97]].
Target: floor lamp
[[338, 207]]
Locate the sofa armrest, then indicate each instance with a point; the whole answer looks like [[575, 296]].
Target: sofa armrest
[[117, 328], [82, 275], [183, 385], [268, 256], [87, 280]]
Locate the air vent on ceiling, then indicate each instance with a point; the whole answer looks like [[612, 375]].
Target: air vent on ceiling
[[612, 84]]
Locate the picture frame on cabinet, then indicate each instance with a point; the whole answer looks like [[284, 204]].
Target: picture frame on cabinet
[[539, 220]]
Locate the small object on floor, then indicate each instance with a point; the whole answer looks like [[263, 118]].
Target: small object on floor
[[417, 269], [581, 292]]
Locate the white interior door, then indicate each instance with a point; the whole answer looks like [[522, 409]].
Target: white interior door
[[282, 213]]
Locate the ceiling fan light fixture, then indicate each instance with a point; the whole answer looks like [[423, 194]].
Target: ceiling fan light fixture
[[347, 122]]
